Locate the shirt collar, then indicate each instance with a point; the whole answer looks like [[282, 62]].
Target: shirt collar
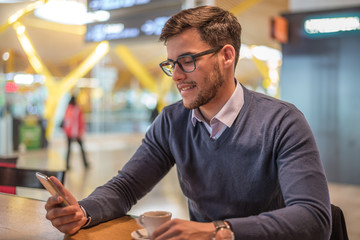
[[228, 112]]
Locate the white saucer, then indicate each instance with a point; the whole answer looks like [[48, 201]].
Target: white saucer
[[137, 236]]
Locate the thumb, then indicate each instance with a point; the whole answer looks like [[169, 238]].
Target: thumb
[[58, 184], [69, 197]]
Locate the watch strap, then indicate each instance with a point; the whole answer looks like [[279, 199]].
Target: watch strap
[[219, 224]]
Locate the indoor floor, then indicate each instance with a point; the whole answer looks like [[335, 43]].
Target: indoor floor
[[108, 153]]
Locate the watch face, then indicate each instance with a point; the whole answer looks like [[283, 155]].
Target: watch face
[[224, 234]]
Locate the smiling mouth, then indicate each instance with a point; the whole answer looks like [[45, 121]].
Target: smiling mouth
[[186, 87]]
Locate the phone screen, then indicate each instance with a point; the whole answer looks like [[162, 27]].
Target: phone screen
[[50, 186]]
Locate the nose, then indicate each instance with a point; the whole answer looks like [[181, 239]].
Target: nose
[[178, 73]]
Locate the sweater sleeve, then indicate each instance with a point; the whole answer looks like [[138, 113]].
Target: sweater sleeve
[[306, 214], [141, 173]]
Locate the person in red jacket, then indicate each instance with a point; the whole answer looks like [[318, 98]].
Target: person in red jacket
[[74, 128]]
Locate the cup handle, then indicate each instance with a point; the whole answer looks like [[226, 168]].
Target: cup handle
[[141, 219]]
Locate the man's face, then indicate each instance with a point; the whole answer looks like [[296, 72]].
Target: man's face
[[203, 86]]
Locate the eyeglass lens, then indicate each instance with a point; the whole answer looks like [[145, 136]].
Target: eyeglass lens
[[186, 63]]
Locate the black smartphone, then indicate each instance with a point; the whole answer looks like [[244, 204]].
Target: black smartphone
[[50, 186]]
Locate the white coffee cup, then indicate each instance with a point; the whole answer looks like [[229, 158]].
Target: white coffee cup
[[153, 219]]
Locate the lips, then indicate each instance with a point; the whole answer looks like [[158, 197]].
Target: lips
[[183, 87]]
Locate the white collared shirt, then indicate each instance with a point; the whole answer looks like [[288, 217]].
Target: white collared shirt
[[225, 117]]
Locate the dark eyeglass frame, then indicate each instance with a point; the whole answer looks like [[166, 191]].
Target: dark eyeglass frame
[[193, 56]]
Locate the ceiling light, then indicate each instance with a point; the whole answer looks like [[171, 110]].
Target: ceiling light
[[15, 1], [20, 29], [264, 53], [245, 52], [6, 56], [25, 79], [69, 12], [332, 25]]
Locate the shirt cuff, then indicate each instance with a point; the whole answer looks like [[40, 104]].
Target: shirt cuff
[[87, 217]]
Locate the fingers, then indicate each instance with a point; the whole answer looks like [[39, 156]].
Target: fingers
[[66, 219], [57, 212], [52, 202], [70, 228], [166, 230], [183, 229], [68, 224]]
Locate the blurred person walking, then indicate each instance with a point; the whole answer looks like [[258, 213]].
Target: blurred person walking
[[74, 128]]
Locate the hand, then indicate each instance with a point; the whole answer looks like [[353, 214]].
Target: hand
[[68, 219], [182, 229]]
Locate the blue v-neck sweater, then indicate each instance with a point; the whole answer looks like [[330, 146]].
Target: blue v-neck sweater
[[263, 174]]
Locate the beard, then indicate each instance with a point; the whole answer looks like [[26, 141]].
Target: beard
[[215, 81]]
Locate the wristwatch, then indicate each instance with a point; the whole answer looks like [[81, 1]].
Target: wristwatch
[[222, 231]]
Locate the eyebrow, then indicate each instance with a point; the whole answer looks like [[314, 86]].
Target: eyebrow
[[181, 55], [187, 53]]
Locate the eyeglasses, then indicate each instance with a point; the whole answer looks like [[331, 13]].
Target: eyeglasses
[[186, 62]]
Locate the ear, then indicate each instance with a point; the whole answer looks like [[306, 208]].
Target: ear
[[229, 56]]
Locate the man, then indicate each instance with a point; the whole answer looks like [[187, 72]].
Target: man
[[245, 160]]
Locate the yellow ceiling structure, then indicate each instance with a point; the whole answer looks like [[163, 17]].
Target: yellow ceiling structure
[[51, 44]]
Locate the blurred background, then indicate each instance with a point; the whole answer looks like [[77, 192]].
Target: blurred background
[[107, 54]]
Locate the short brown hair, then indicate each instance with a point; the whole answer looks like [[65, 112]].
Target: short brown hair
[[216, 26]]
